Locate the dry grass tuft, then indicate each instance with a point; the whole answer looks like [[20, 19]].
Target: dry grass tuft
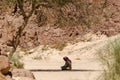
[[110, 58]]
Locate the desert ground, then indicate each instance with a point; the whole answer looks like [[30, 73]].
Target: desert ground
[[50, 70], [46, 63], [83, 27]]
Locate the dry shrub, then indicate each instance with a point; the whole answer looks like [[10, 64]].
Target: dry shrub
[[110, 58], [59, 46], [16, 61]]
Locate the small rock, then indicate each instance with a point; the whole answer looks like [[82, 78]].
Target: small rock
[[22, 73], [23, 78], [4, 64]]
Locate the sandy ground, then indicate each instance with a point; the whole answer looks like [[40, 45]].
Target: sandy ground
[[50, 70], [45, 63]]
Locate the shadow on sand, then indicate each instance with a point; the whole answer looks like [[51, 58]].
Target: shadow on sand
[[58, 70]]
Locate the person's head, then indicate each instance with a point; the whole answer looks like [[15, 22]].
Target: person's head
[[66, 58]]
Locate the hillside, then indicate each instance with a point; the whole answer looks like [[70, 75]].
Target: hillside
[[59, 22], [41, 32]]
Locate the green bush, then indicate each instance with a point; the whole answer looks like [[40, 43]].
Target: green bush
[[110, 58], [16, 61]]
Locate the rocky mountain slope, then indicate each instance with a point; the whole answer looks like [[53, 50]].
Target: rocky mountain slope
[[54, 24]]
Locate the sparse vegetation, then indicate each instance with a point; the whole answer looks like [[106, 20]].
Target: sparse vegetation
[[70, 13], [56, 22], [16, 38], [67, 13], [77, 58], [38, 57], [59, 46], [16, 61], [44, 48], [110, 58]]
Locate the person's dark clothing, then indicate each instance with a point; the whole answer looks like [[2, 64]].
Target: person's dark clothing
[[68, 64]]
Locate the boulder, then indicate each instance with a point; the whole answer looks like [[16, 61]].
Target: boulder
[[22, 73], [4, 64], [2, 77], [9, 78], [23, 78]]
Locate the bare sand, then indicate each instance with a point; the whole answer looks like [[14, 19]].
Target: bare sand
[[50, 70], [45, 62]]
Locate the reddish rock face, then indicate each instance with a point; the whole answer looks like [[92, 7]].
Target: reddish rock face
[[2, 77], [43, 28], [4, 64]]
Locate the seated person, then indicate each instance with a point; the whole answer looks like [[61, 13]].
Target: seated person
[[68, 64]]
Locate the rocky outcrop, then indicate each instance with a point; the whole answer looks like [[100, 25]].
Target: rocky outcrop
[[51, 25], [18, 74], [2, 77], [23, 78], [4, 64], [4, 67], [22, 73]]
